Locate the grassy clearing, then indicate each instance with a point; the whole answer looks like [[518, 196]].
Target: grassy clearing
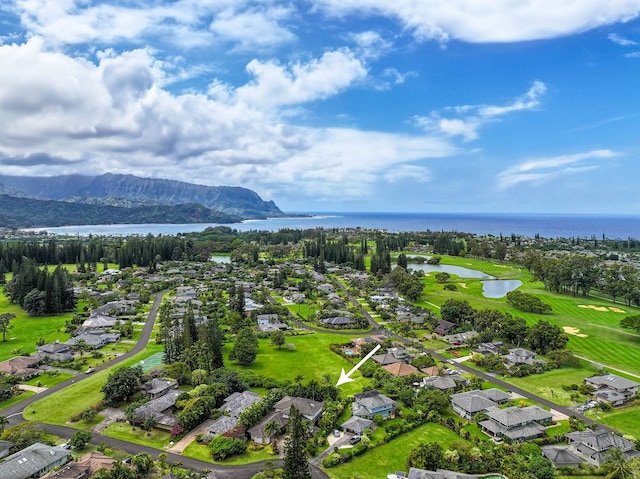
[[625, 420], [61, 406], [26, 330], [44, 380], [202, 452], [124, 431], [311, 359], [392, 456]]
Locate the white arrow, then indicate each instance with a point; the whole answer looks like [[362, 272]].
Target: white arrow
[[345, 377]]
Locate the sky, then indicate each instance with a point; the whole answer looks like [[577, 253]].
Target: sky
[[528, 106]]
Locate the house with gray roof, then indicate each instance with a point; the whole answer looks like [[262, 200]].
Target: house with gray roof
[[593, 446], [95, 339], [99, 321], [33, 461], [520, 356], [415, 473], [516, 424], [443, 383], [370, 403], [237, 402], [612, 388], [357, 425], [468, 404], [309, 409], [561, 456], [55, 352], [5, 446], [159, 409], [158, 387]]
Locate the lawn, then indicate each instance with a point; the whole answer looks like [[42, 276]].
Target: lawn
[[47, 381], [59, 407], [23, 395], [201, 452], [625, 420], [126, 432], [392, 456], [549, 384], [311, 358], [26, 330]]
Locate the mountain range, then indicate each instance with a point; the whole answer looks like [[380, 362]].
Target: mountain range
[[29, 201]]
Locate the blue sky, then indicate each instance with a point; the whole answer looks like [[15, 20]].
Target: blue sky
[[334, 105]]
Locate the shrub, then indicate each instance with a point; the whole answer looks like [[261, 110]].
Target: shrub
[[222, 447]]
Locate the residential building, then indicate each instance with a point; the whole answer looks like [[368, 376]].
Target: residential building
[[516, 424], [612, 388], [371, 403], [25, 367], [401, 369], [594, 446], [444, 327], [33, 461], [309, 409], [158, 387], [159, 409], [468, 404], [84, 468], [55, 352], [520, 356], [357, 425]]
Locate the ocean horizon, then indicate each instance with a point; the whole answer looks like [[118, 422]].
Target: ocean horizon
[[523, 224]]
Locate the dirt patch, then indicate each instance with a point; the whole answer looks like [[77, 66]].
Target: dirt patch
[[594, 307], [111, 415], [617, 310], [574, 331], [463, 285]]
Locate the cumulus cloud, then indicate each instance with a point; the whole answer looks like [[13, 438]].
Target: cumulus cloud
[[542, 170], [490, 20], [115, 116], [408, 172], [466, 120]]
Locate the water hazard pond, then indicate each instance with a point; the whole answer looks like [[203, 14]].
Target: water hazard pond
[[491, 288]]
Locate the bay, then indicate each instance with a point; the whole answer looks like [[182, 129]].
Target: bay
[[527, 225]]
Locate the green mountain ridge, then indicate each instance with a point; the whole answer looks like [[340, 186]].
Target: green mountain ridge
[[30, 213]]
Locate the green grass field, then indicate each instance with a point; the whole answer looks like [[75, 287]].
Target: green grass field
[[26, 330], [311, 359], [124, 431], [61, 406], [392, 456], [47, 381], [23, 395], [625, 420], [202, 452]]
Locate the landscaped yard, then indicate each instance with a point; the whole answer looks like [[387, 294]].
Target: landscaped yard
[[392, 456], [47, 381], [202, 452], [126, 432], [15, 399], [311, 358], [625, 420]]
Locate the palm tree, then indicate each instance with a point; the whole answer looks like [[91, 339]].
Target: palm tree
[[618, 466], [271, 429]]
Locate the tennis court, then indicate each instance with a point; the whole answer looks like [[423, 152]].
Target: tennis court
[[151, 362]]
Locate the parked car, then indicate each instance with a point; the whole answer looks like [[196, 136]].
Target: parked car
[[336, 433], [89, 371], [355, 440]]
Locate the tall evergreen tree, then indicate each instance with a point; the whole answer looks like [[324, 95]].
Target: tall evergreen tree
[[296, 461]]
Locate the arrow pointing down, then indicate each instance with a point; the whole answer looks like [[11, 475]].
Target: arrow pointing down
[[346, 377]]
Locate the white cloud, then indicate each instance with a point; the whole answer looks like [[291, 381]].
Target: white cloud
[[275, 85], [633, 55], [470, 118], [624, 42], [490, 20], [546, 169], [115, 116], [408, 172]]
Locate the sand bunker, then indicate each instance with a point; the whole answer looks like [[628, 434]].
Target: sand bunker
[[574, 331], [594, 307], [617, 310], [463, 285]]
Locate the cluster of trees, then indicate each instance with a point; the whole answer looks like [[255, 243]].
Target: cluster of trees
[[408, 284], [40, 292], [527, 302], [338, 251], [492, 325], [569, 274]]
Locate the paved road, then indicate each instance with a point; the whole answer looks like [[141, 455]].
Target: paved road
[[14, 412]]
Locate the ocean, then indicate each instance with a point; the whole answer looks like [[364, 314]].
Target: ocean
[[528, 225]]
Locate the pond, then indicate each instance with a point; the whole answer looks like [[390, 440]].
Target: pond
[[451, 269], [220, 259], [499, 288]]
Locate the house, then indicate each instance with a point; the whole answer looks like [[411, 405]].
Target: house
[[95, 339], [159, 409], [519, 356], [338, 321], [561, 456], [468, 404], [489, 348], [516, 424], [158, 387], [371, 403], [99, 321], [33, 461], [460, 338], [235, 403], [309, 409], [593, 446], [445, 384], [401, 369], [357, 425], [22, 366], [84, 468], [415, 473], [444, 327], [613, 389], [55, 352]]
